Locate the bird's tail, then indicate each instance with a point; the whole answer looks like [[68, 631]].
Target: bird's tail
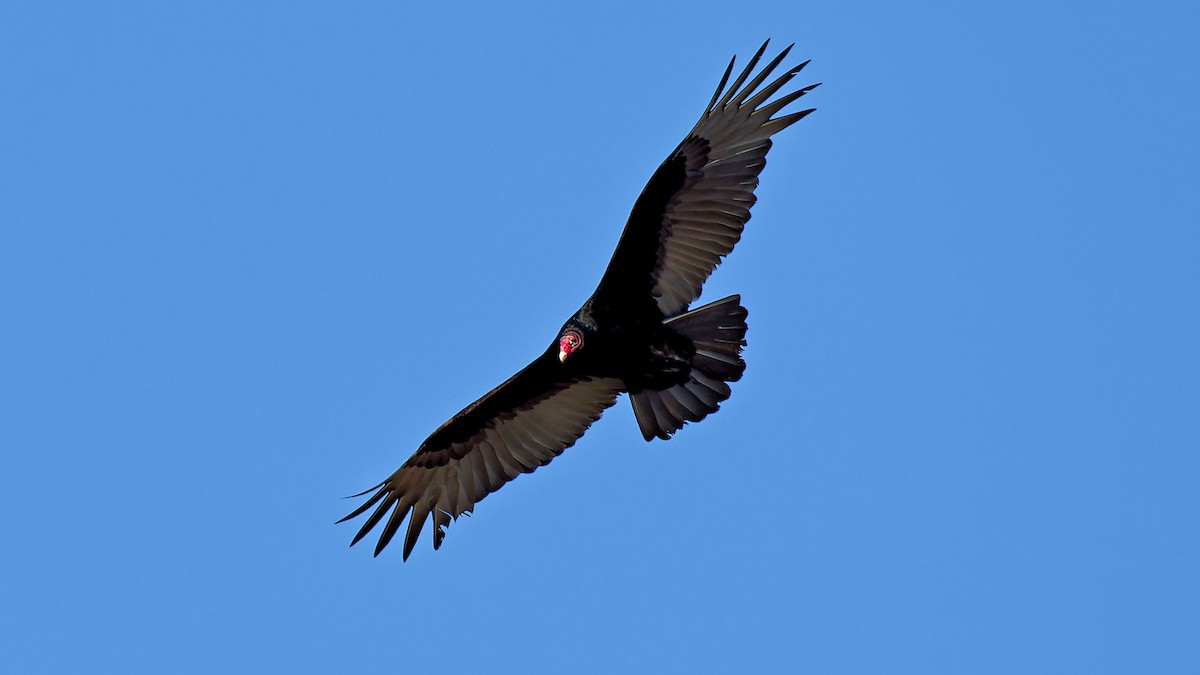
[[718, 331]]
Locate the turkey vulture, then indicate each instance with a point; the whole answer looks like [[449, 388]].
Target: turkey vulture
[[635, 334]]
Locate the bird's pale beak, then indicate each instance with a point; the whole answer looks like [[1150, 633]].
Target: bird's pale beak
[[567, 345]]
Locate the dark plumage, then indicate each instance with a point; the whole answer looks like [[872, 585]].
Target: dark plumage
[[635, 334]]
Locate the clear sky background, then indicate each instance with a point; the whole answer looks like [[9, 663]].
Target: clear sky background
[[251, 254]]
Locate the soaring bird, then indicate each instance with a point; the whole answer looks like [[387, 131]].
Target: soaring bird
[[634, 335]]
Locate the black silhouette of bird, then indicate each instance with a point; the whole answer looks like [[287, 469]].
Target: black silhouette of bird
[[635, 334]]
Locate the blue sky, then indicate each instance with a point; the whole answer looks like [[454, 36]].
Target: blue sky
[[250, 256]]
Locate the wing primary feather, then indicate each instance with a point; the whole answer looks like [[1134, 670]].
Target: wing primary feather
[[780, 123], [415, 524], [764, 74], [393, 524], [733, 89], [441, 520], [374, 519], [360, 510], [773, 87], [780, 103], [721, 86], [359, 494]]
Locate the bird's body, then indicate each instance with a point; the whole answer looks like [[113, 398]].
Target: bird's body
[[638, 349], [634, 335]]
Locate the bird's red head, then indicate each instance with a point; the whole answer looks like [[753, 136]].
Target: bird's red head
[[569, 342]]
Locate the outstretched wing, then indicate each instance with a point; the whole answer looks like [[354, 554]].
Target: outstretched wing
[[692, 211], [515, 428]]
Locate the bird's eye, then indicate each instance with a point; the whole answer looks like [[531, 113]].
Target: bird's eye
[[573, 339]]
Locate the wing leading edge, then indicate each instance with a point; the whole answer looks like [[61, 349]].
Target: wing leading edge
[[693, 210], [515, 428]]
